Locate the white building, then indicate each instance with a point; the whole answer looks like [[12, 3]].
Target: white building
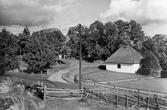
[[125, 59]]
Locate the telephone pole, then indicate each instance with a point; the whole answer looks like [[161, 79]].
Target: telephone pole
[[80, 56]]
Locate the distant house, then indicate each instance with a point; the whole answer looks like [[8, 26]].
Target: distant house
[[125, 59]]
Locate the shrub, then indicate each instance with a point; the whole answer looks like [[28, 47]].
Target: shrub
[[102, 67], [149, 66], [144, 71], [164, 74]]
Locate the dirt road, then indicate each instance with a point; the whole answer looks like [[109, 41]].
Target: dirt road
[[58, 76]]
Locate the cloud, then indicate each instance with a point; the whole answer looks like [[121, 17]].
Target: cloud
[[31, 12], [143, 11]]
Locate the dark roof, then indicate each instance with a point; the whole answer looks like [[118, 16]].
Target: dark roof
[[125, 55]]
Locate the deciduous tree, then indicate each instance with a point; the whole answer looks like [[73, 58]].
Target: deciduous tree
[[42, 49], [8, 49]]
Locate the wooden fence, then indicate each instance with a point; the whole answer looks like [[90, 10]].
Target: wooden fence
[[52, 93], [127, 97], [110, 94]]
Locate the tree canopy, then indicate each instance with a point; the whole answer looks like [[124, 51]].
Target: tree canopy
[[99, 41], [42, 49], [8, 52]]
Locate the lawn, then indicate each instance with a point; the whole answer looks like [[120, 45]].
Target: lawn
[[60, 104], [156, 84], [91, 71], [109, 76]]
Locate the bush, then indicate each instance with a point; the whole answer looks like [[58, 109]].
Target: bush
[[102, 67], [164, 74], [149, 66], [148, 72], [144, 71]]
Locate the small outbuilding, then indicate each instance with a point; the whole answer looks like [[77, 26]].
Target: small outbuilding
[[125, 60]]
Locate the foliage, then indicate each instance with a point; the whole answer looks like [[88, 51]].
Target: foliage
[[26, 31], [144, 71], [158, 46], [74, 34], [98, 42], [8, 51], [149, 66], [22, 39], [42, 50], [54, 37], [164, 74], [101, 40], [136, 31]]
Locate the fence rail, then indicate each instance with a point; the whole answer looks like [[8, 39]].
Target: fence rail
[[111, 94], [108, 87], [52, 93]]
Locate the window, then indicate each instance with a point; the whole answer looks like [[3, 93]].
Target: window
[[118, 65]]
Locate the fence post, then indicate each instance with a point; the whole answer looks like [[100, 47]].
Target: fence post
[[147, 102], [138, 99], [116, 97], [126, 101], [91, 96], [45, 90], [157, 101], [98, 95]]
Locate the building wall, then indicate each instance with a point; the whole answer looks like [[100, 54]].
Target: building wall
[[126, 68]]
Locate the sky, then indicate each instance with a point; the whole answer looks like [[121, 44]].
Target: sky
[[62, 14]]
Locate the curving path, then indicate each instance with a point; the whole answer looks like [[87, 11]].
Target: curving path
[[58, 76]]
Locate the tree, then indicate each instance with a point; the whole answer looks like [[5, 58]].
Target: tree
[[22, 39], [160, 42], [42, 50], [100, 41], [8, 47], [109, 29], [161, 47], [55, 38], [150, 65], [74, 35], [96, 40], [123, 34], [137, 34], [26, 31]]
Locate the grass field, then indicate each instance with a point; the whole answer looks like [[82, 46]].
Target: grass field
[[90, 71], [109, 76], [60, 104], [156, 84]]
